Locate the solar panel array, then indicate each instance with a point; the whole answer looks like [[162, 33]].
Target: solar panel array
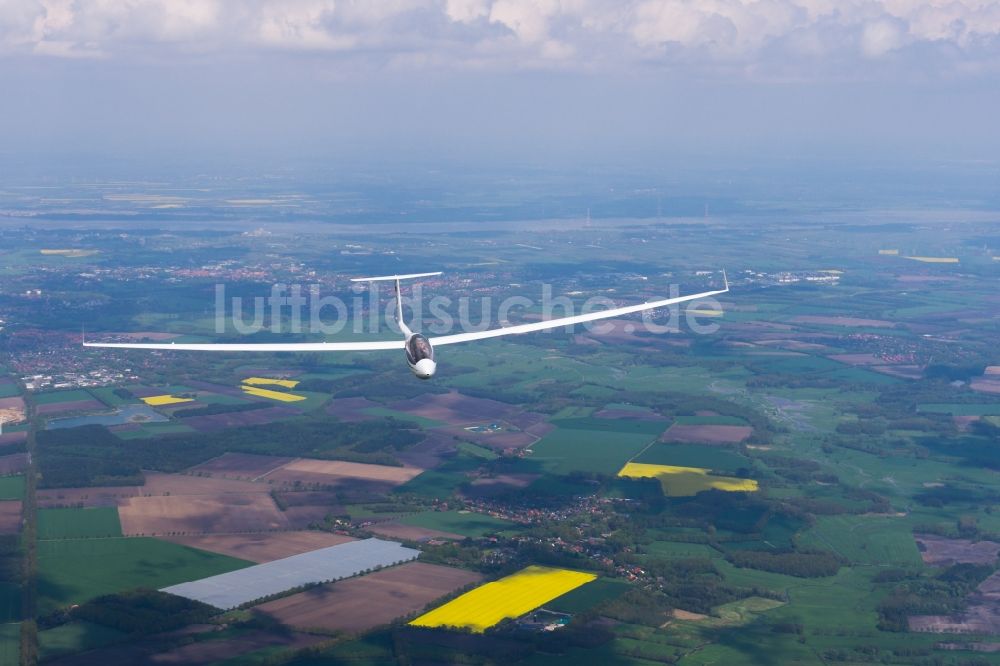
[[229, 590]]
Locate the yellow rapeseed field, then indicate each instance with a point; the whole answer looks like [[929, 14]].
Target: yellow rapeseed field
[[686, 481], [508, 597], [273, 395], [159, 400], [267, 381]]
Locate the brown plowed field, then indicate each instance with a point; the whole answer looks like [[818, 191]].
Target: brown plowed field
[[455, 409], [527, 420], [262, 547], [332, 472], [857, 359], [991, 385], [9, 438], [185, 484], [213, 422], [428, 453], [361, 603], [939, 551], [303, 517], [412, 532], [85, 497], [842, 321], [707, 434], [629, 414], [200, 514], [349, 409], [10, 517], [14, 463], [12, 410]]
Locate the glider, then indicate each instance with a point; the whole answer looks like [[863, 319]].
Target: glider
[[419, 348]]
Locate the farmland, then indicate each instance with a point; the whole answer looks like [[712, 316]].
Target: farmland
[[10, 516], [802, 485], [164, 400], [262, 547], [506, 598], [200, 514], [686, 481], [456, 522], [78, 523], [581, 449], [11, 487], [71, 571], [369, 601]]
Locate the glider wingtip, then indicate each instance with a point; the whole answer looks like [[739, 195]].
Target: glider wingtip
[[408, 276]]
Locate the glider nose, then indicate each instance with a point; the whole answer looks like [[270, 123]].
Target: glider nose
[[425, 368]]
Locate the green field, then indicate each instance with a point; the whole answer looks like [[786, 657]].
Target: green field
[[566, 450], [75, 637], [208, 398], [637, 427], [677, 549], [78, 523], [961, 409], [873, 540], [467, 524], [441, 483], [10, 644], [589, 595], [8, 389], [10, 602], [71, 571], [845, 602], [478, 451], [107, 395], [52, 397], [11, 487], [715, 458]]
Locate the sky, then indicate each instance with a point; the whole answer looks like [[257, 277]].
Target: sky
[[547, 82]]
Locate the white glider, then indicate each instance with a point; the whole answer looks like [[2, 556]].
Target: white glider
[[419, 348]]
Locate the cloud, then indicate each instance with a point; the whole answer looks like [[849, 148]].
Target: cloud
[[751, 35]]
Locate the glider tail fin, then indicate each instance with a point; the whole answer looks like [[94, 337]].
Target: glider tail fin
[[399, 298]]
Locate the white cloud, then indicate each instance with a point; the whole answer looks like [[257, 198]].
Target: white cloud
[[467, 11], [516, 33], [882, 36]]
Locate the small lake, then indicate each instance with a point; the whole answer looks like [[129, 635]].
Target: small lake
[[127, 414]]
